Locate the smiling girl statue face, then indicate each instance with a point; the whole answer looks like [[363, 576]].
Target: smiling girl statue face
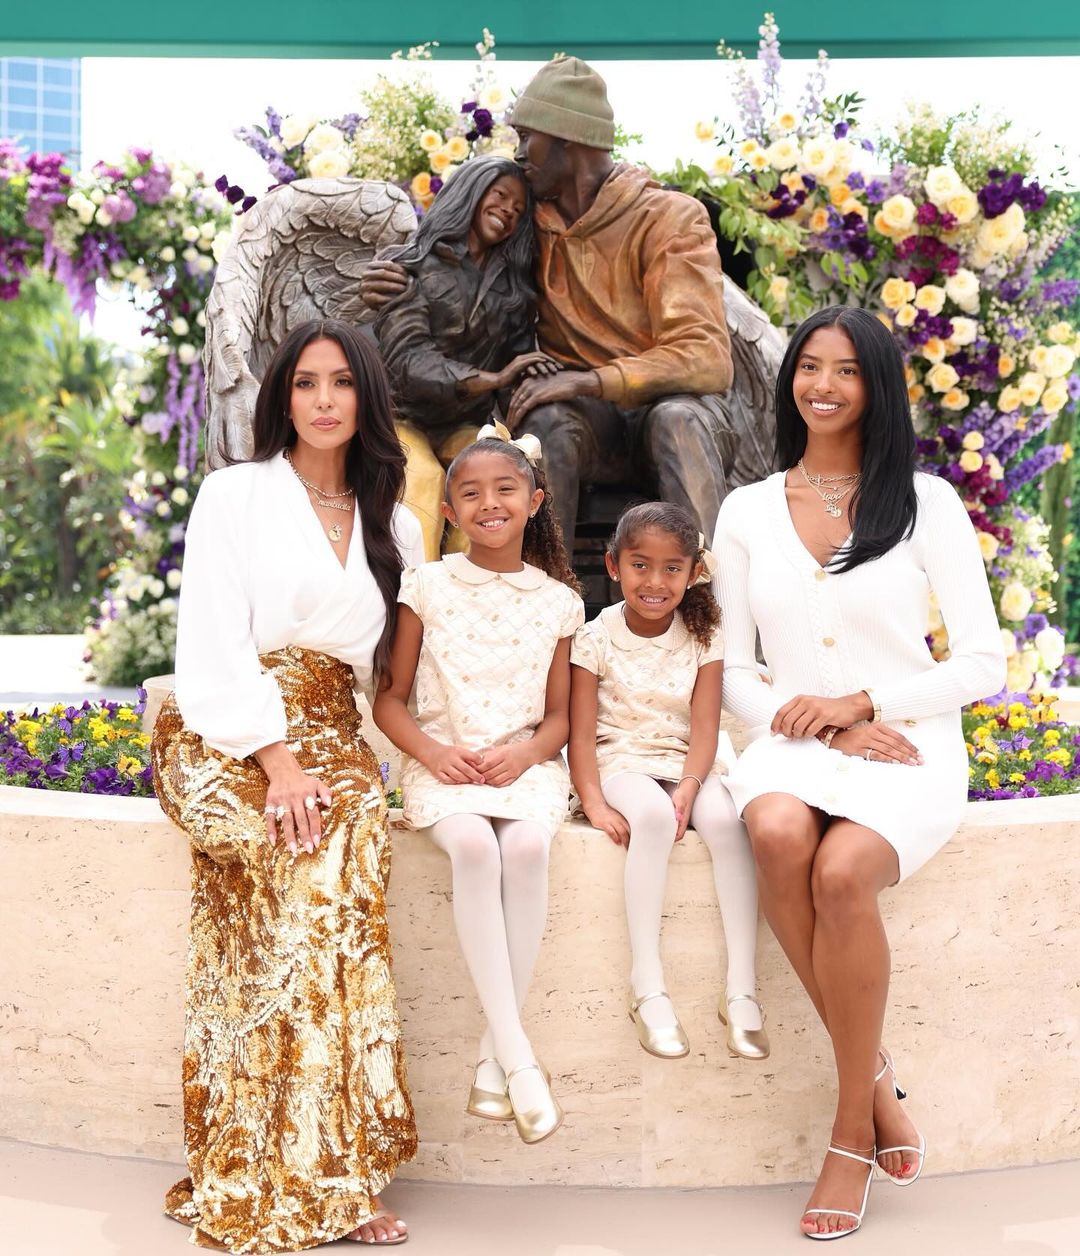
[[497, 215]]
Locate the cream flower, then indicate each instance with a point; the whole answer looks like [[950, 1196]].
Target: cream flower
[[997, 471], [704, 131], [930, 298], [819, 155], [997, 234], [853, 206], [457, 148], [942, 377], [963, 206], [1016, 601], [430, 141], [748, 147], [83, 207], [295, 127], [1008, 639], [758, 161], [1055, 396], [332, 164], [187, 353], [1060, 333], [787, 121], [896, 292], [1050, 642], [988, 545], [724, 164], [1019, 245], [180, 327], [964, 331], [963, 290], [1006, 365], [898, 212], [493, 98], [440, 161], [421, 185], [1020, 673], [782, 154], [1037, 358], [1059, 361], [957, 399], [940, 183], [778, 289], [905, 316], [933, 350], [981, 258], [1031, 387], [322, 138], [970, 461], [219, 248], [819, 219], [974, 440]]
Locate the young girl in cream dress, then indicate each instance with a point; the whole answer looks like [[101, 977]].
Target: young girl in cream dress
[[645, 713], [485, 636]]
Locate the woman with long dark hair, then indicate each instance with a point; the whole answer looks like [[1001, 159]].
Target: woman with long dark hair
[[856, 773], [463, 330], [296, 1112]]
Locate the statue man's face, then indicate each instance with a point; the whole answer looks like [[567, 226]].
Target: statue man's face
[[543, 162]]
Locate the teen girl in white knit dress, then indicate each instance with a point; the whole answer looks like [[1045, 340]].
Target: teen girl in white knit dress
[[857, 771]]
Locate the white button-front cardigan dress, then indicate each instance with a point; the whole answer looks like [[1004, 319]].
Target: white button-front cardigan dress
[[829, 634]]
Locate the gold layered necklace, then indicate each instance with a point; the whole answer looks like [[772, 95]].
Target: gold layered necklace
[[328, 501], [832, 489]]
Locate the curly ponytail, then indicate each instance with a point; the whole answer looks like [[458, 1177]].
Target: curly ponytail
[[699, 609]]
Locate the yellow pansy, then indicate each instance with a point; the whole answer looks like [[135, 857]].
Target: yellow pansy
[[1051, 737]]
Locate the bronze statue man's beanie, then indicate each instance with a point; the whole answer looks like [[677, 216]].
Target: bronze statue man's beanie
[[567, 99]]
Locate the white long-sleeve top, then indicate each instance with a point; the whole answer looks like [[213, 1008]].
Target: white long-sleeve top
[[832, 634], [260, 574]]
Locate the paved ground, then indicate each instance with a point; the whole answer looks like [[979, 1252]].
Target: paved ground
[[40, 670], [62, 1203]]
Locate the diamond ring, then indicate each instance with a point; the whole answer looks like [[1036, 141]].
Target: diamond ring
[[309, 803]]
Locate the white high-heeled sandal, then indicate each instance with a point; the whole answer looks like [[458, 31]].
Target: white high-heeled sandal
[[843, 1212], [920, 1151]]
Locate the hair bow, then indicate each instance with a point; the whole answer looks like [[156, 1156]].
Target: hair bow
[[708, 561], [528, 444]]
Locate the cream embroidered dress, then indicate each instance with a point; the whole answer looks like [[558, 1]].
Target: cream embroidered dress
[[831, 634], [643, 695], [481, 681]]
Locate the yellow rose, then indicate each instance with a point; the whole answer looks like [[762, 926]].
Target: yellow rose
[[905, 316], [933, 350], [782, 154], [704, 131], [819, 155], [964, 331], [916, 392], [930, 298], [1055, 396], [332, 164], [1037, 358], [819, 219], [724, 164], [988, 544], [942, 377], [896, 292], [778, 289], [956, 399], [1059, 361], [758, 161], [440, 161], [787, 121], [1009, 399], [1031, 387], [457, 148], [430, 141], [839, 193], [421, 185], [963, 206], [1006, 366], [963, 290], [970, 461], [996, 235], [1061, 333], [940, 183], [323, 137], [1016, 603], [973, 440], [997, 471], [853, 206], [899, 212], [748, 147]]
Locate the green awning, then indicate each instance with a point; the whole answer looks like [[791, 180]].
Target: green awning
[[625, 29]]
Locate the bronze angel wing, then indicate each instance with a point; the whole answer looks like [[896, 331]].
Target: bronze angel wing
[[296, 255]]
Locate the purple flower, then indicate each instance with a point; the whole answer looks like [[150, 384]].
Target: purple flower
[[141, 155], [875, 191], [483, 121], [273, 121], [840, 130], [221, 183], [926, 215], [470, 106], [119, 206]]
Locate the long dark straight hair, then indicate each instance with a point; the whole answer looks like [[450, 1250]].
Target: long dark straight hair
[[374, 462], [882, 508], [450, 217]]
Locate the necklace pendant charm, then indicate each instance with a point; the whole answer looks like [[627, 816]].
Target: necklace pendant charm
[[835, 511], [334, 533]]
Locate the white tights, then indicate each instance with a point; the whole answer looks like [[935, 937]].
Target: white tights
[[646, 805], [500, 874]]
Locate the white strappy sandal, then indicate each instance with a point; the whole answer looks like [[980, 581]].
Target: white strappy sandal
[[920, 1151], [844, 1212]]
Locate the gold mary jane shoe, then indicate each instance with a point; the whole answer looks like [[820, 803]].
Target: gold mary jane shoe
[[667, 1043], [492, 1105], [747, 1044], [539, 1122]]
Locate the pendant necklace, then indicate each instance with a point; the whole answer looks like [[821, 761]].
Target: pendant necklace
[[832, 489], [325, 500]]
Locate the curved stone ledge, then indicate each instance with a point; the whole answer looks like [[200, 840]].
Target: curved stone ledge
[[984, 1013]]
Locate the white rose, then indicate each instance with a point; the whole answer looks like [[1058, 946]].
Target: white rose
[[332, 164], [782, 154], [178, 191], [191, 233], [1008, 642], [819, 155], [97, 196], [208, 230], [204, 265], [173, 577], [940, 183], [930, 298], [997, 235], [83, 207], [963, 206], [180, 326], [1050, 642], [898, 213], [103, 216], [187, 354], [323, 137], [180, 472], [1059, 361], [200, 318], [180, 496], [163, 510], [1016, 601], [190, 254], [158, 479], [964, 331], [294, 128], [168, 253], [963, 290], [493, 99]]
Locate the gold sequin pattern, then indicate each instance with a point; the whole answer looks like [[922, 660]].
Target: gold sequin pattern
[[296, 1107]]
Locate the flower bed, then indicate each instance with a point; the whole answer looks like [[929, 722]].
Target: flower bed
[[1020, 749], [98, 748]]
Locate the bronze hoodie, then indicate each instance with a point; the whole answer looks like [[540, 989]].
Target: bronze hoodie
[[634, 291]]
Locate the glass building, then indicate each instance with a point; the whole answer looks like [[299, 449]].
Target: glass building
[[40, 104]]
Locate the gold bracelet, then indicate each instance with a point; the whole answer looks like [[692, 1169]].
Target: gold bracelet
[[691, 777], [876, 717], [826, 735]]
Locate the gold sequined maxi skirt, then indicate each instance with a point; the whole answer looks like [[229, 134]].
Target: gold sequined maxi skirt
[[296, 1108]]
